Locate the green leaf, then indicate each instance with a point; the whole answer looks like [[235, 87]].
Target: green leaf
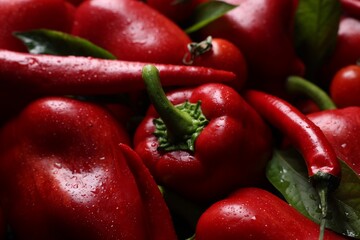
[[44, 41], [288, 173], [208, 12], [316, 27]]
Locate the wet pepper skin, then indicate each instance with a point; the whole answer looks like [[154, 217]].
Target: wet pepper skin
[[262, 30], [131, 30], [347, 49], [344, 87], [253, 213], [67, 173], [342, 128], [231, 150], [21, 15]]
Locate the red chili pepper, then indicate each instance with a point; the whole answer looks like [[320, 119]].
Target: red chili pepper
[[67, 173], [46, 74], [303, 133], [341, 126], [208, 144], [253, 213], [323, 166]]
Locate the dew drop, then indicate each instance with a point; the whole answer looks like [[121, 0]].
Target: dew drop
[[58, 165]]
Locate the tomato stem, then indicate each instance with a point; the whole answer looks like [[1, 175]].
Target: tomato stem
[[196, 49]]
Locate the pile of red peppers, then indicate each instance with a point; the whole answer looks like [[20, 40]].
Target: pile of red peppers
[[188, 119]]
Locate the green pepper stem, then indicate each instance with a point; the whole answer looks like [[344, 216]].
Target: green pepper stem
[[323, 193], [178, 123], [297, 84], [324, 184]]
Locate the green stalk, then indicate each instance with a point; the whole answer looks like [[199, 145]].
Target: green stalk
[[297, 84], [323, 193], [178, 126], [178, 123], [324, 183]]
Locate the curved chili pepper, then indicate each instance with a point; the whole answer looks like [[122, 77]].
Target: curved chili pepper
[[323, 166], [46, 74], [341, 126], [202, 142], [302, 132]]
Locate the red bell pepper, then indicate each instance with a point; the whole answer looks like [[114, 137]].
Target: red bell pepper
[[342, 128], [347, 50], [72, 75], [22, 15], [67, 173], [253, 213], [131, 30], [205, 146]]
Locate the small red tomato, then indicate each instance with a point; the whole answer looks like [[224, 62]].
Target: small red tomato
[[345, 87], [218, 53]]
